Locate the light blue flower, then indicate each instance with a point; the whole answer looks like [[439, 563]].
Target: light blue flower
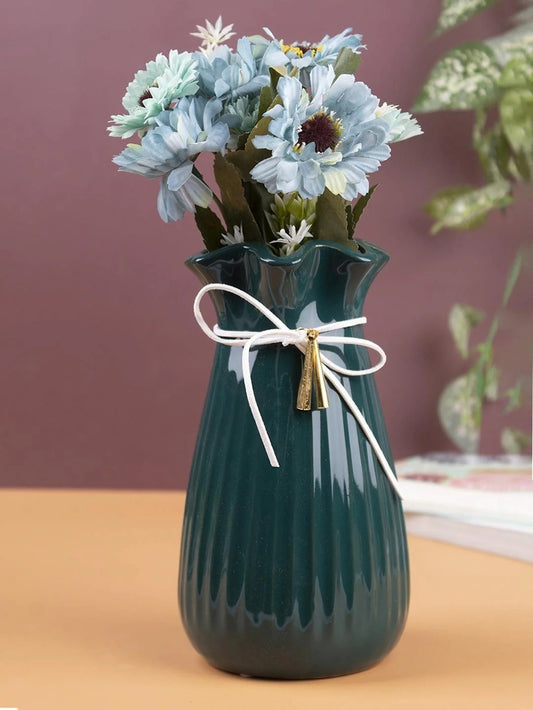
[[401, 124], [153, 90], [228, 75], [328, 138], [167, 151], [303, 55]]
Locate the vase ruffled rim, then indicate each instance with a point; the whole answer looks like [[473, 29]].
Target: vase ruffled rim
[[261, 250]]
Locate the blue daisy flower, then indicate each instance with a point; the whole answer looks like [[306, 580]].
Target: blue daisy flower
[[167, 152], [304, 55], [228, 75], [328, 137]]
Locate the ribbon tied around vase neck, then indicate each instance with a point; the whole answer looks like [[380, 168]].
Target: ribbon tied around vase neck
[[316, 368]]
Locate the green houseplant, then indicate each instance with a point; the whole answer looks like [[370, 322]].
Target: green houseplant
[[494, 80]]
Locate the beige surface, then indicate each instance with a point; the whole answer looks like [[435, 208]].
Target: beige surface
[[89, 620]]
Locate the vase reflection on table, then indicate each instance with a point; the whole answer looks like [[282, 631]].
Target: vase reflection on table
[[299, 571]]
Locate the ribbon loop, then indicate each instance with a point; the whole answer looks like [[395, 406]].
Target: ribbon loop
[[318, 365]]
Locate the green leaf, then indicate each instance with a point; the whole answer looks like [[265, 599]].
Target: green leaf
[[245, 160], [492, 378], [514, 441], [514, 44], [465, 78], [460, 412], [518, 72], [347, 62], [514, 273], [467, 207], [266, 97], [461, 320], [275, 75], [354, 213], [516, 114], [330, 221], [456, 11], [514, 397], [210, 227], [235, 207]]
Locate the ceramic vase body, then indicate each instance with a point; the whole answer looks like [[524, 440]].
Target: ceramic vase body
[[299, 571]]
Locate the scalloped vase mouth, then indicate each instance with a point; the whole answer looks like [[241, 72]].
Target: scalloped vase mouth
[[368, 253], [299, 571]]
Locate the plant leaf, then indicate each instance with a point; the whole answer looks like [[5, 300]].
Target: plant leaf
[[514, 397], [467, 207], [516, 114], [330, 221], [465, 78], [210, 227], [354, 213], [514, 441], [347, 62], [514, 273], [456, 11], [492, 378], [266, 97], [461, 320], [235, 207], [460, 412]]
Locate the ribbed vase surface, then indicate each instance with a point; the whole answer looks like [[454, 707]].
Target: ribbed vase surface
[[299, 571]]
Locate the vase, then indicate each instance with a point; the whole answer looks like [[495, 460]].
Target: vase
[[299, 571]]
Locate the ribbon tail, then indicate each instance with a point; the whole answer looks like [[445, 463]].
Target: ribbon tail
[[354, 409]]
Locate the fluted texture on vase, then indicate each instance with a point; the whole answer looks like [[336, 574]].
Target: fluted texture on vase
[[301, 571]]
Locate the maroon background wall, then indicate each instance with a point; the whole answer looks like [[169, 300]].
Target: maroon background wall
[[99, 386]]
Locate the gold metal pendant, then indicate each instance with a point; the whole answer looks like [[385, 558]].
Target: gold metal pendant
[[312, 376]]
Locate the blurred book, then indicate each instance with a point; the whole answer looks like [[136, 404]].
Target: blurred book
[[475, 501]]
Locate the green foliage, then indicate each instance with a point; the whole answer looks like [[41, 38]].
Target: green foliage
[[467, 207], [461, 320], [330, 221], [460, 406], [494, 78], [456, 11], [460, 410], [347, 62], [210, 227], [354, 213], [514, 441], [465, 78], [235, 207]]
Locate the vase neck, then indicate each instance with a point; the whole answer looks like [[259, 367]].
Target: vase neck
[[317, 285]]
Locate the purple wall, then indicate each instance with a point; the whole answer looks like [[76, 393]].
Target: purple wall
[[99, 386]]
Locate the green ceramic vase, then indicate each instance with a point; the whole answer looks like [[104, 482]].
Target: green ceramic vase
[[299, 571]]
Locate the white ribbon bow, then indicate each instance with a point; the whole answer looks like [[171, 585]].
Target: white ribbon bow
[[285, 336]]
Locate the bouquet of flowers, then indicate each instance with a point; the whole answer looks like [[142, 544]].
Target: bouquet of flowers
[[293, 134]]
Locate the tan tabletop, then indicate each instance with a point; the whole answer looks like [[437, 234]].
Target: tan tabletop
[[89, 619]]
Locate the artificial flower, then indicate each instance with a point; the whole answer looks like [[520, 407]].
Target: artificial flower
[[329, 139], [213, 35], [167, 152], [236, 238], [229, 75], [153, 90], [291, 240], [401, 124], [303, 55]]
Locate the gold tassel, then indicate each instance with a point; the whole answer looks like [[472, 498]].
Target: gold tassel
[[312, 374]]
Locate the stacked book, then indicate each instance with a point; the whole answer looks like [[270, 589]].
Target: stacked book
[[474, 501]]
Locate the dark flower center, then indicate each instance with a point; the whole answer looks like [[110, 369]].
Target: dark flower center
[[321, 130], [147, 95]]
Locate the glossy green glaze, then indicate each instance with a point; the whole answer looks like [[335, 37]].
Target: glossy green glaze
[[301, 571]]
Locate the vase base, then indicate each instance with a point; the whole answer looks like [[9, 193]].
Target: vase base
[[295, 675]]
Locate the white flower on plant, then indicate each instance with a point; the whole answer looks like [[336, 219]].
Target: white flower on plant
[[154, 89], [401, 124], [290, 240], [236, 238], [213, 35]]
